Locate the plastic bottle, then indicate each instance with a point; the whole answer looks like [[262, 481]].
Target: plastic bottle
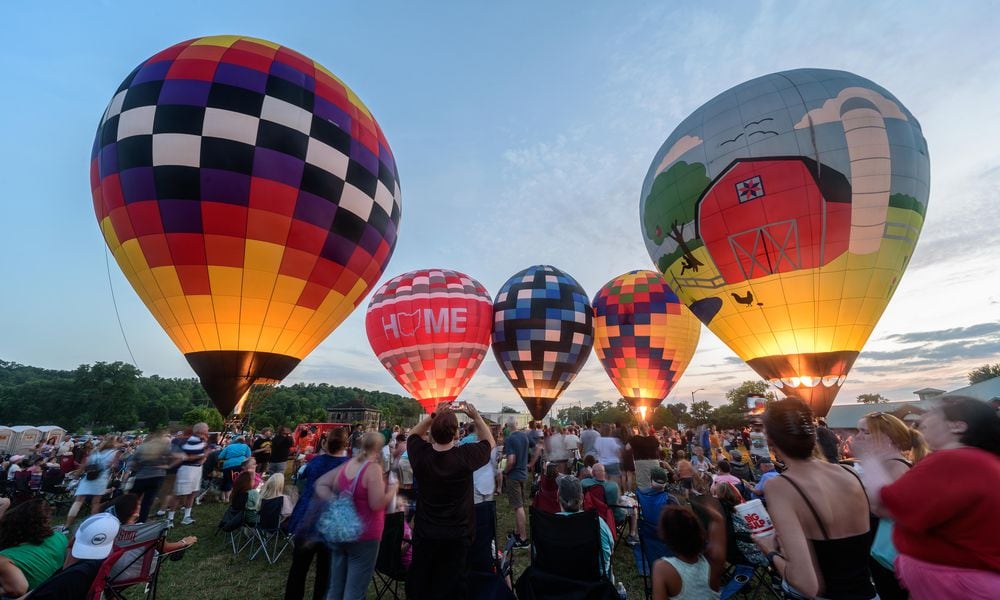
[[622, 594]]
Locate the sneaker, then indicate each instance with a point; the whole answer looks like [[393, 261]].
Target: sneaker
[[632, 540], [187, 521], [161, 513], [519, 543]]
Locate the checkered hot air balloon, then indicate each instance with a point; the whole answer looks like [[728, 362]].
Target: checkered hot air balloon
[[251, 200], [783, 212], [431, 329], [644, 336], [542, 334]]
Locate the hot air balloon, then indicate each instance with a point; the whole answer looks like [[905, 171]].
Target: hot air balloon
[[644, 336], [783, 212], [542, 334], [431, 329], [251, 200]]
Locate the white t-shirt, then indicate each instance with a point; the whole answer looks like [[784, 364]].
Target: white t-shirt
[[572, 442], [557, 447], [608, 450], [484, 478], [14, 468], [701, 464]]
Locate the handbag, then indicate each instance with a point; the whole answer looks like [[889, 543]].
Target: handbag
[[340, 522], [94, 467], [883, 550]]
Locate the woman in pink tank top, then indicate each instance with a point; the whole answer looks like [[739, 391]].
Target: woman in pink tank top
[[352, 562]]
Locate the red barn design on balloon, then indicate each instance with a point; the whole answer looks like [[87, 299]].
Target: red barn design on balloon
[[775, 215]]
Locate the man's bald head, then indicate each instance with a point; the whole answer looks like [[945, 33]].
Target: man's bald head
[[599, 472], [200, 429]]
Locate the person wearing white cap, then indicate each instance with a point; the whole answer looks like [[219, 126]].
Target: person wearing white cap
[[93, 543]]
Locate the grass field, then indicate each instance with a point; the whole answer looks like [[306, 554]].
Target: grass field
[[210, 570]]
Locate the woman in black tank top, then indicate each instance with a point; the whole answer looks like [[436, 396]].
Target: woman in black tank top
[[818, 557]]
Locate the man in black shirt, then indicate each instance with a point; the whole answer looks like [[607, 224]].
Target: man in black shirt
[[262, 449], [445, 522], [281, 446]]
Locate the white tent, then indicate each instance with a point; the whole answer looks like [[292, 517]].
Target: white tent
[[6, 438], [50, 431], [25, 437]]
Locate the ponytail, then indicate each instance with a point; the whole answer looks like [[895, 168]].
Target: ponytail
[[918, 446]]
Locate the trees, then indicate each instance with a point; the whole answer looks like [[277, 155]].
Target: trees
[[116, 397], [206, 415], [872, 399], [701, 413], [737, 396], [984, 373]]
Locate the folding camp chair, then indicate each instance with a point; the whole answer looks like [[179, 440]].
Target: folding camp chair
[[233, 524], [566, 559], [742, 578], [135, 559], [650, 546], [53, 490], [599, 498], [488, 579], [267, 534], [389, 572]]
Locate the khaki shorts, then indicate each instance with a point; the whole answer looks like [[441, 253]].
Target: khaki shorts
[[515, 493]]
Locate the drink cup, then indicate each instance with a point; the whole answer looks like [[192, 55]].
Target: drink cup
[[755, 516]]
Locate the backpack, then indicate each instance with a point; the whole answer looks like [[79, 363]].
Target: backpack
[[340, 522]]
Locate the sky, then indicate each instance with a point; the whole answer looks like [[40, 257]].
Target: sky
[[522, 132]]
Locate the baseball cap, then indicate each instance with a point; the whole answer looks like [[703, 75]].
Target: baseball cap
[[96, 536], [658, 474], [570, 490]]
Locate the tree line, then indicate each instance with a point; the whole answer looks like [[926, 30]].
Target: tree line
[[116, 396]]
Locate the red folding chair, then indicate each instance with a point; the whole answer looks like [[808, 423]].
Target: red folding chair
[[135, 559]]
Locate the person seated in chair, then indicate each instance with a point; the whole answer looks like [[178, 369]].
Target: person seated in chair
[[571, 502], [30, 550], [655, 497], [548, 490], [93, 543], [695, 570], [613, 498]]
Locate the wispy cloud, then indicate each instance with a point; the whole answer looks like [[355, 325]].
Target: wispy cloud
[[972, 332]]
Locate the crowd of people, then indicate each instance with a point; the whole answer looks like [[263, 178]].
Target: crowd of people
[[894, 512]]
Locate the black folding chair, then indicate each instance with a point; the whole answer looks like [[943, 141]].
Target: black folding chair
[[390, 574], [566, 559], [488, 572], [267, 535]]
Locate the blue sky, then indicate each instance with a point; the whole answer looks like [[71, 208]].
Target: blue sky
[[522, 132]]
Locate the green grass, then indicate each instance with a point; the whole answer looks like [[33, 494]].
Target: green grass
[[210, 570]]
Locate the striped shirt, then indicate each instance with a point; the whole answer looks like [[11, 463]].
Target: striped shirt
[[194, 451]]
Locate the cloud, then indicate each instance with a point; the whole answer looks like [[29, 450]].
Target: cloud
[[830, 111], [687, 142], [941, 335]]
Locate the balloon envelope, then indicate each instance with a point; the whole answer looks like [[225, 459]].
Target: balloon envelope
[[542, 334], [431, 329], [783, 212], [644, 336], [250, 199]]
